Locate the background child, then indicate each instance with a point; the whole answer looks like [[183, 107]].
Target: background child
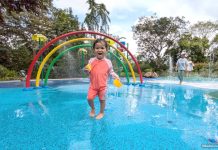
[[190, 66], [181, 66], [99, 69]]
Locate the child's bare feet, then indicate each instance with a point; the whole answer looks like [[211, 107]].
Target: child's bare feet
[[99, 116], [92, 113]]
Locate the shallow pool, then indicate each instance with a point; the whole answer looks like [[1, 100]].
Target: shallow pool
[[153, 116]]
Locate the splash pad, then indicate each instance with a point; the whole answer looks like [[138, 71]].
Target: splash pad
[[76, 33]]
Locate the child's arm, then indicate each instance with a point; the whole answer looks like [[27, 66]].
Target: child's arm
[[111, 71], [114, 75]]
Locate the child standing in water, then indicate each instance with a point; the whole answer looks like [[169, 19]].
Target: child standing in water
[[99, 69]]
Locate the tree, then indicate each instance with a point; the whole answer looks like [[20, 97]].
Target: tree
[[18, 28], [34, 6], [64, 21], [91, 17], [104, 19], [156, 36], [97, 19], [204, 29], [195, 47], [21, 19]]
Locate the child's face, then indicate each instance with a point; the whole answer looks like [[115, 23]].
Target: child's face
[[100, 50]]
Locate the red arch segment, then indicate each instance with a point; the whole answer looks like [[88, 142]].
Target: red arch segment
[[30, 69]]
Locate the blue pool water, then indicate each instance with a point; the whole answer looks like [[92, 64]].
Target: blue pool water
[[153, 116]]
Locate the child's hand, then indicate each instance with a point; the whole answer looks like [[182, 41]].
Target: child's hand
[[117, 79]]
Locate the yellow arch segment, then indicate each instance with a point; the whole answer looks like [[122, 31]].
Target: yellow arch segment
[[72, 41]]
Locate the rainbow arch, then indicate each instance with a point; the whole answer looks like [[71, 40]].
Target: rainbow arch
[[73, 49], [30, 69], [72, 41]]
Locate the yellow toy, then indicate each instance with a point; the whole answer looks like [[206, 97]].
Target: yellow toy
[[117, 83], [88, 67]]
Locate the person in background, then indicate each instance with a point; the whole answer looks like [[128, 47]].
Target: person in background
[[181, 66], [22, 74], [99, 69], [151, 74], [190, 66]]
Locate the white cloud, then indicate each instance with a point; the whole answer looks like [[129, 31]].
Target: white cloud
[[113, 5], [79, 8], [194, 10], [77, 5]]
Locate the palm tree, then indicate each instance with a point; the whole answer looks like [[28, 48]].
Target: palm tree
[[97, 19], [104, 15]]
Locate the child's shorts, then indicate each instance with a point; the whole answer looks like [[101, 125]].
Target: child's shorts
[[92, 93]]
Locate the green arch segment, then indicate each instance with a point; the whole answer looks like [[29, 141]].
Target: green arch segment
[[124, 67], [72, 49]]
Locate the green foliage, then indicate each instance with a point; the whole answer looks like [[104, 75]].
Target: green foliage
[[16, 59], [6, 74], [22, 6], [16, 45], [64, 21], [145, 66], [20, 24], [200, 66], [195, 47]]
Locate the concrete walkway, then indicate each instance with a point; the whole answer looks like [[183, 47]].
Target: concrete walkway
[[200, 84]]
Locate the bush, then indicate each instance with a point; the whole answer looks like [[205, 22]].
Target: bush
[[148, 70], [199, 66], [6, 74]]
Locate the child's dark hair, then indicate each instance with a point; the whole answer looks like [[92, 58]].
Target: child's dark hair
[[100, 41]]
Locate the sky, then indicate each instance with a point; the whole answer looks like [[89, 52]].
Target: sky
[[125, 13]]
